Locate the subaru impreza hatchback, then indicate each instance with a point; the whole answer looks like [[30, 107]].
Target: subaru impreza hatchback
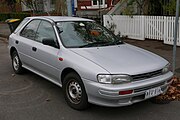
[[90, 63]]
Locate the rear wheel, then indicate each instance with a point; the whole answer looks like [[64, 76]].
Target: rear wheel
[[74, 92], [16, 63]]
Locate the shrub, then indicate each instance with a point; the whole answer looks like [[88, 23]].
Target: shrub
[[5, 16]]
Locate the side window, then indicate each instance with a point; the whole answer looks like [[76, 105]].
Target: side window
[[46, 31], [30, 30]]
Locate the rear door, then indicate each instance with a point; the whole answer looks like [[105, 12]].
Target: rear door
[[25, 40]]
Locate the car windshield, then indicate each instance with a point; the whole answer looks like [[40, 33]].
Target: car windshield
[[78, 34]]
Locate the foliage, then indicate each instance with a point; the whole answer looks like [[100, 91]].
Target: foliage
[[60, 7], [11, 4], [31, 4], [38, 6], [152, 7], [111, 26], [155, 8], [170, 7], [162, 7], [173, 92], [5, 16], [142, 7], [129, 9]]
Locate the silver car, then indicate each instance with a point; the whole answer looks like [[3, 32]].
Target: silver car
[[91, 64]]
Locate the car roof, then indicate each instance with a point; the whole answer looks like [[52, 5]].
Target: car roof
[[60, 18]]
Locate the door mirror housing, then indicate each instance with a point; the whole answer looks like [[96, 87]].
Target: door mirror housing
[[50, 42]]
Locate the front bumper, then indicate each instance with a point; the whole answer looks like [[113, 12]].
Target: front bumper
[[108, 94]]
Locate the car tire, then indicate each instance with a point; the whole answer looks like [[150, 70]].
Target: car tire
[[74, 92], [16, 63]]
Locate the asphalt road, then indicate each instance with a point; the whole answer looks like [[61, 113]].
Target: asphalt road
[[30, 97]]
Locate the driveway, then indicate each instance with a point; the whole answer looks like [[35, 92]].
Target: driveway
[[30, 97]]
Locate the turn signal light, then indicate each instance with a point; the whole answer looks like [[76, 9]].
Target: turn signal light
[[61, 59]]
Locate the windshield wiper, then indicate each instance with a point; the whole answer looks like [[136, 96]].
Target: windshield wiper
[[117, 42], [94, 44]]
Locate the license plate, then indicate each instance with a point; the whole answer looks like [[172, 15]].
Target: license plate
[[153, 92]]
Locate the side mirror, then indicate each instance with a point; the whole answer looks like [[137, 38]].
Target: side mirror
[[50, 42]]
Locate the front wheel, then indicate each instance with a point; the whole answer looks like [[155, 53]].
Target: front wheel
[[74, 92]]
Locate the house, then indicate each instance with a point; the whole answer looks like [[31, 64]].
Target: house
[[94, 8]]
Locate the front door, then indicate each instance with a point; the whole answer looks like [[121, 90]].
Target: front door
[[46, 56]]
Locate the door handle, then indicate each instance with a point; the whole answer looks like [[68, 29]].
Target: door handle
[[17, 42], [34, 49]]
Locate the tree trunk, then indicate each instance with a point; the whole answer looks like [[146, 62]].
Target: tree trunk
[[143, 6], [60, 7], [146, 7]]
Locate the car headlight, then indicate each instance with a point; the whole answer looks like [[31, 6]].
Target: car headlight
[[166, 69], [114, 79]]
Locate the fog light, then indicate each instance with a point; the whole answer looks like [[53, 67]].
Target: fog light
[[125, 92]]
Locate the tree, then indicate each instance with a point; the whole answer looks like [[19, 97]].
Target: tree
[[129, 9], [60, 7], [170, 7], [149, 7], [143, 6], [137, 7], [11, 4], [155, 7], [31, 4]]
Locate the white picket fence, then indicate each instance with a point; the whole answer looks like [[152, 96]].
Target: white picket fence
[[142, 27]]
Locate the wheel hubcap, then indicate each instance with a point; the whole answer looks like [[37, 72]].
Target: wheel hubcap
[[16, 63], [74, 92]]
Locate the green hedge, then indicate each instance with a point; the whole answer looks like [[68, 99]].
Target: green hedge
[[5, 16]]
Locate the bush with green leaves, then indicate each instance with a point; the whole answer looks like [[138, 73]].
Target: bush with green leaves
[[5, 16]]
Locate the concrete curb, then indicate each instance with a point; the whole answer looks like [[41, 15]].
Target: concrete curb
[[4, 38]]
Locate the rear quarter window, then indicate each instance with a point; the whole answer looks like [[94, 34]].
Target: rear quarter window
[[21, 25], [29, 31]]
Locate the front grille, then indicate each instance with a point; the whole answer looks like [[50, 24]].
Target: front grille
[[146, 75], [149, 87]]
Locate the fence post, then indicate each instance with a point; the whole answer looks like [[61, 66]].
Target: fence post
[[143, 28], [175, 35], [165, 29]]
